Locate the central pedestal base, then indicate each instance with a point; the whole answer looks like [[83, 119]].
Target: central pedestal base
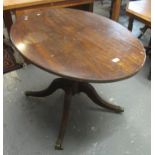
[[71, 88]]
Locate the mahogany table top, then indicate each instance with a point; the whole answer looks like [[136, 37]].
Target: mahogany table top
[[78, 45]]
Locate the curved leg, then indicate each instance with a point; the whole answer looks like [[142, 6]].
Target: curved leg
[[56, 84], [92, 94], [67, 101]]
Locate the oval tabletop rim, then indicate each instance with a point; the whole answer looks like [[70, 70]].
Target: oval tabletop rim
[[78, 78]]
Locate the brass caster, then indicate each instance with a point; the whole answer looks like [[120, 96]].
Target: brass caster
[[58, 147]]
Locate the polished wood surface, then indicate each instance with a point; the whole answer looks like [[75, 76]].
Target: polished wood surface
[[15, 4], [86, 5], [116, 10], [140, 10], [78, 45], [7, 20], [20, 6]]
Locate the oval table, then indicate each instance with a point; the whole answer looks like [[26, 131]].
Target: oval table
[[80, 47]]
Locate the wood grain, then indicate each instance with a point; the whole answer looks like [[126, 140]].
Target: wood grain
[[57, 4], [14, 4], [78, 45]]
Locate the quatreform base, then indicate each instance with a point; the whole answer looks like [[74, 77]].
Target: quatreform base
[[71, 88]]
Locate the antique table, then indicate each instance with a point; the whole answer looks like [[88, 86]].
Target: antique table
[[19, 6], [82, 48]]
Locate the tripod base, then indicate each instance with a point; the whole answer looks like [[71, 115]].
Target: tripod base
[[71, 88]]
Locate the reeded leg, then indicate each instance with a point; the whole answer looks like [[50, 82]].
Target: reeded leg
[[56, 84], [92, 94], [67, 101]]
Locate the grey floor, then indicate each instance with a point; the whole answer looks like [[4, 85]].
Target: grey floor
[[31, 124]]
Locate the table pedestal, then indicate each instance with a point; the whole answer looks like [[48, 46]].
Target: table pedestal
[[71, 88]]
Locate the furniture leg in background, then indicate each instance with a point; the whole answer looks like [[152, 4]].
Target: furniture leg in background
[[141, 11]]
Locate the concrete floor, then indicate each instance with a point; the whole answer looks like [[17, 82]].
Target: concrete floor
[[31, 124]]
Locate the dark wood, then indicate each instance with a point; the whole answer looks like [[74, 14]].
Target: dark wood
[[148, 52], [20, 6], [92, 94], [7, 20], [111, 7], [9, 62], [76, 87], [143, 30], [56, 84], [81, 47], [78, 55], [67, 102], [71, 88], [149, 76], [130, 26]]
